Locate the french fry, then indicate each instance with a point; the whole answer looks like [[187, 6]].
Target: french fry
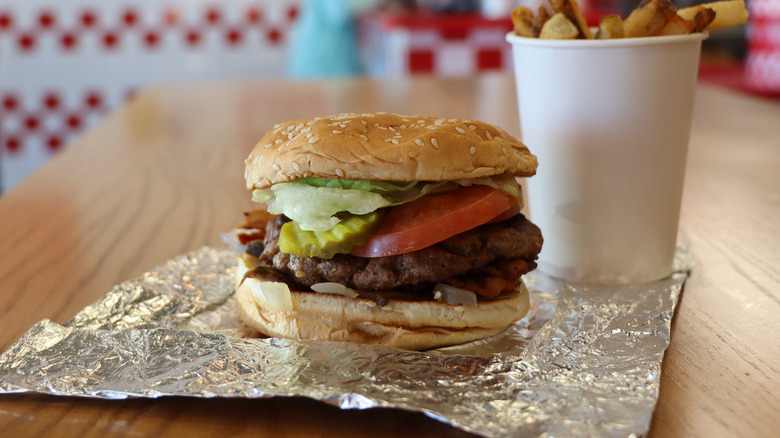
[[571, 10], [560, 28], [702, 19], [610, 26], [677, 26], [523, 21], [727, 13], [649, 18], [541, 17]]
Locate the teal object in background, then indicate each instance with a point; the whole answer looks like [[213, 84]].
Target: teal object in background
[[325, 41]]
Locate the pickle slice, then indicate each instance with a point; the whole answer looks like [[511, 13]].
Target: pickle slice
[[351, 231]]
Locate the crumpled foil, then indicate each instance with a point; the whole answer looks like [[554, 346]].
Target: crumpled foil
[[584, 361]]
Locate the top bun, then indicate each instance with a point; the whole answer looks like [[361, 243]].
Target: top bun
[[383, 146]]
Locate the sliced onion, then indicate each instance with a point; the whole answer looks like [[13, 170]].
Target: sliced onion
[[452, 295], [334, 288], [276, 294]]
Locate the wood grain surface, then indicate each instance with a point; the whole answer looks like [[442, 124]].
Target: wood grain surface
[[164, 175]]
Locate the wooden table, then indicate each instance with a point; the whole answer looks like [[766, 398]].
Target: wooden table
[[165, 175]]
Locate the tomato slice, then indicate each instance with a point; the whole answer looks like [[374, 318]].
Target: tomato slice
[[433, 218], [510, 212]]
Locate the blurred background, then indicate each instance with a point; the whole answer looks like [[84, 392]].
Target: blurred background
[[66, 64]]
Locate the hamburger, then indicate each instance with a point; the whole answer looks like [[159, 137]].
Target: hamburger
[[386, 229]]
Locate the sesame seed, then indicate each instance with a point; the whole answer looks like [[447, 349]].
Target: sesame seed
[[391, 128], [413, 154], [290, 136], [296, 166], [276, 167], [473, 150], [394, 141], [336, 131], [363, 122], [343, 125], [435, 143], [402, 126], [460, 130], [418, 142], [314, 140], [249, 158], [289, 128], [473, 127], [309, 135], [300, 126], [488, 135], [340, 173], [278, 140], [363, 137], [503, 149]]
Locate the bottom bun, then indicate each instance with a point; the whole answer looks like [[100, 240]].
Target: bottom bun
[[414, 325]]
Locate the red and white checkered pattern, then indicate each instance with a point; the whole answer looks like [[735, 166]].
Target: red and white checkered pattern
[[65, 63], [446, 46], [763, 59]]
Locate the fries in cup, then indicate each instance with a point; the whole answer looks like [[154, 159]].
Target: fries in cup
[[610, 26], [560, 28], [702, 19], [541, 17], [571, 10], [523, 21], [727, 13], [677, 25], [650, 18]]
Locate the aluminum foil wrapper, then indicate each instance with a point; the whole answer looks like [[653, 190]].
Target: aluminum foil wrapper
[[584, 361]]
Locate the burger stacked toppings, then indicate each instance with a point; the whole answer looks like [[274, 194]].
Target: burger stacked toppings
[[384, 228]]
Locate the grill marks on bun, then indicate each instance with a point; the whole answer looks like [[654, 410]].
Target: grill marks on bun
[[385, 146]]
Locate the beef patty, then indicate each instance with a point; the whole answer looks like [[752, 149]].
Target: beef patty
[[506, 249]]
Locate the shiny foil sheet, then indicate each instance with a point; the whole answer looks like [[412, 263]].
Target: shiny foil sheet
[[584, 361]]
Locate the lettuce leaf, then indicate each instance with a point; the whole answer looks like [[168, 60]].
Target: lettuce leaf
[[315, 208]]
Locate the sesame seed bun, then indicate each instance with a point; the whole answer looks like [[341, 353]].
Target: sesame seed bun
[[385, 146], [414, 325]]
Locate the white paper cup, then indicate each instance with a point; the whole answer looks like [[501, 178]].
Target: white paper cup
[[609, 121]]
